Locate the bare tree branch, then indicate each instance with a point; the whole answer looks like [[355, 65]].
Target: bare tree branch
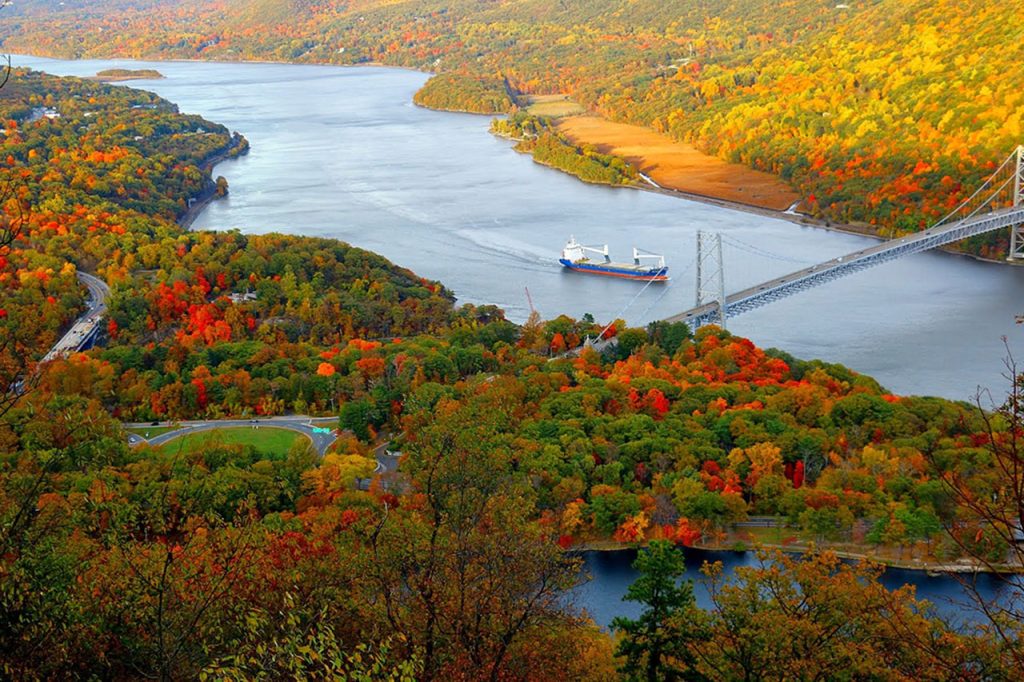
[[990, 524]]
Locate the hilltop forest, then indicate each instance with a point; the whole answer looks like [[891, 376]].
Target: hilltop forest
[[885, 112], [227, 562]]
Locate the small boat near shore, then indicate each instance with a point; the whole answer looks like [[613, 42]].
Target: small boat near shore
[[575, 257]]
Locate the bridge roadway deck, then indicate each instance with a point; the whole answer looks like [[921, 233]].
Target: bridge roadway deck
[[816, 275]]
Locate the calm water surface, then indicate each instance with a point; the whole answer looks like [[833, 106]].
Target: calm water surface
[[343, 152], [612, 573]]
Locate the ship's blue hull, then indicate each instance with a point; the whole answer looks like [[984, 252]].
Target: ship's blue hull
[[611, 270]]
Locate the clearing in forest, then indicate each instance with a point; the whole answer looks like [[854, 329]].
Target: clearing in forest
[[267, 440], [554, 106]]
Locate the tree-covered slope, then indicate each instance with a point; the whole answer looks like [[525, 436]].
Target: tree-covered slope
[[882, 111], [94, 178], [220, 561]]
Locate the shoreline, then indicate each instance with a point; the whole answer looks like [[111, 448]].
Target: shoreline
[[124, 75], [676, 164], [801, 219], [209, 193], [122, 79], [448, 111], [906, 565], [794, 217], [552, 166], [178, 60]]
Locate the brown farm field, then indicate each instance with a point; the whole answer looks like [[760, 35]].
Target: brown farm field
[[678, 165]]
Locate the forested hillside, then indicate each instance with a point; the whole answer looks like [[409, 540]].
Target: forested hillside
[[217, 561], [883, 111], [227, 562], [96, 177]]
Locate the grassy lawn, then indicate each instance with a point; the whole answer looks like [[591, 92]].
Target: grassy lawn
[[552, 105], [267, 441], [770, 536], [152, 431]]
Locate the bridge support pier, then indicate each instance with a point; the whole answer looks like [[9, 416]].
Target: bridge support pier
[[1017, 231], [711, 272]]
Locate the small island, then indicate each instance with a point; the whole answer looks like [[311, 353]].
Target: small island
[[115, 75]]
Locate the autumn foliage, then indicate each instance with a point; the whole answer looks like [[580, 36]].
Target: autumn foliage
[[887, 113]]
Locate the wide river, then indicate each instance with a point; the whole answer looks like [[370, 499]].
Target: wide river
[[343, 152]]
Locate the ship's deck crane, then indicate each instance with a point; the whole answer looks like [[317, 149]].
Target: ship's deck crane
[[575, 247], [638, 254]]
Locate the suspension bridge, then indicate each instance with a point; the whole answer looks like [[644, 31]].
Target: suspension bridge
[[997, 204]]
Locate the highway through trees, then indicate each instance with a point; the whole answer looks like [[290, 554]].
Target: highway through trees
[[83, 331]]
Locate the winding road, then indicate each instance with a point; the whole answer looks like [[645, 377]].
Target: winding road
[[310, 427], [84, 329], [313, 428]]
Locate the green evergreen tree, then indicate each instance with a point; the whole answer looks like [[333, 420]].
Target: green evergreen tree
[[657, 646]]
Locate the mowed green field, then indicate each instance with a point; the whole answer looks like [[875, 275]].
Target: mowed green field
[[267, 440]]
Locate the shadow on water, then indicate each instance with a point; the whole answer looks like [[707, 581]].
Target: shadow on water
[[611, 574]]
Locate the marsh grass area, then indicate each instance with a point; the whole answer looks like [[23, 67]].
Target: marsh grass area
[[678, 165], [553, 106], [268, 441]]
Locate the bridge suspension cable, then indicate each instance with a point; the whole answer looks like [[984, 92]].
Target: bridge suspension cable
[[676, 277], [737, 243], [1001, 194], [1016, 236], [657, 300], [626, 307], [600, 335], [1012, 167]]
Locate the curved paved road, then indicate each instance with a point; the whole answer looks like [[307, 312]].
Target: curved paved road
[[300, 424], [387, 460], [85, 326]]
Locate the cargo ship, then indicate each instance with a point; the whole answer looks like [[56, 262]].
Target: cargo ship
[[575, 257]]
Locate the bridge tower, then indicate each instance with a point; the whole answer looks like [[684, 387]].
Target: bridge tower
[[1017, 231], [711, 272]]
